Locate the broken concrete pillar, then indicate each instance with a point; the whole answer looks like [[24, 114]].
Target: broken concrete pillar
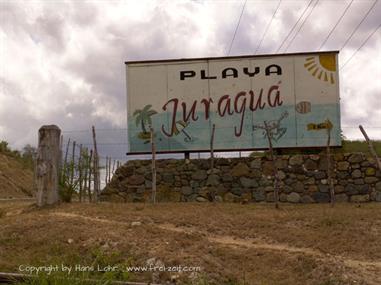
[[48, 165]]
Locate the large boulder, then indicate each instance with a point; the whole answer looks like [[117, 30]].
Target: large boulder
[[248, 183], [343, 165], [199, 175], [356, 158], [241, 169], [296, 160], [213, 180], [293, 197], [136, 179], [320, 197], [359, 198]]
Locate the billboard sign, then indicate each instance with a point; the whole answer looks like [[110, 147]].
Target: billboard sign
[[295, 95]]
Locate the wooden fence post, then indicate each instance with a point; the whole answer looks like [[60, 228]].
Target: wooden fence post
[[109, 169], [64, 166], [153, 167], [90, 168], [85, 161], [61, 156], [48, 165], [106, 176], [371, 148], [330, 182], [275, 170], [113, 167], [96, 168], [72, 165], [212, 192], [80, 171], [212, 149]]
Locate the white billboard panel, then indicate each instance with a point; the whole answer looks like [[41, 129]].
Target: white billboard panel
[[297, 95]]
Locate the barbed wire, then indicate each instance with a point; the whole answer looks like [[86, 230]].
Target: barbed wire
[[217, 127], [89, 130]]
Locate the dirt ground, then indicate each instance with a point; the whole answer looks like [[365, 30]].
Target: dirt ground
[[231, 243]]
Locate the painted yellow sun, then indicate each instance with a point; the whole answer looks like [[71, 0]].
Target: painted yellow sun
[[322, 67]]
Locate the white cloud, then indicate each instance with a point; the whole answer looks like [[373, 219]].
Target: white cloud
[[63, 62]]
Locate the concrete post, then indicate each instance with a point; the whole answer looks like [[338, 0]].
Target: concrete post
[[48, 165]]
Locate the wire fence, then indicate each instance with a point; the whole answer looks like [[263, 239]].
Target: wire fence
[[116, 146], [112, 149]]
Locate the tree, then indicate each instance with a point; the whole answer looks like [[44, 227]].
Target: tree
[[4, 148], [29, 152], [29, 155]]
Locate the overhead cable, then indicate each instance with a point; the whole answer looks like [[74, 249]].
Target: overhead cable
[[359, 24], [236, 28], [364, 42], [267, 28], [300, 27], [301, 16], [337, 23]]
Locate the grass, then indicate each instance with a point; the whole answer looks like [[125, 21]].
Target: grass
[[232, 243], [62, 279], [348, 146], [360, 146], [104, 269]]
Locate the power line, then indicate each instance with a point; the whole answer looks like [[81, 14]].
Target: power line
[[366, 40], [301, 16], [236, 28], [267, 28], [91, 144], [363, 19], [368, 127], [300, 27], [337, 23], [89, 131]]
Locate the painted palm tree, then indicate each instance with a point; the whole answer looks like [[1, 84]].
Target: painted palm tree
[[143, 117]]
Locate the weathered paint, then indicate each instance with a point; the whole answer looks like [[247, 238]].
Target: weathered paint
[[182, 99]]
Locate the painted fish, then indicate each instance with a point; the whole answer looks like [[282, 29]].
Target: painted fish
[[303, 107]]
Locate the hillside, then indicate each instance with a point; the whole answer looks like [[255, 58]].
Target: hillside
[[16, 180]]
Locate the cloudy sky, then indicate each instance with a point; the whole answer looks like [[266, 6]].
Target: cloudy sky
[[62, 62]]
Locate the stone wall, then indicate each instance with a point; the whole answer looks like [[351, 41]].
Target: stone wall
[[303, 179]]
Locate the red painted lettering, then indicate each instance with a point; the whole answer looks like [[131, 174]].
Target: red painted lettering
[[192, 112], [174, 111], [207, 102], [274, 101], [240, 110], [224, 99], [258, 103]]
